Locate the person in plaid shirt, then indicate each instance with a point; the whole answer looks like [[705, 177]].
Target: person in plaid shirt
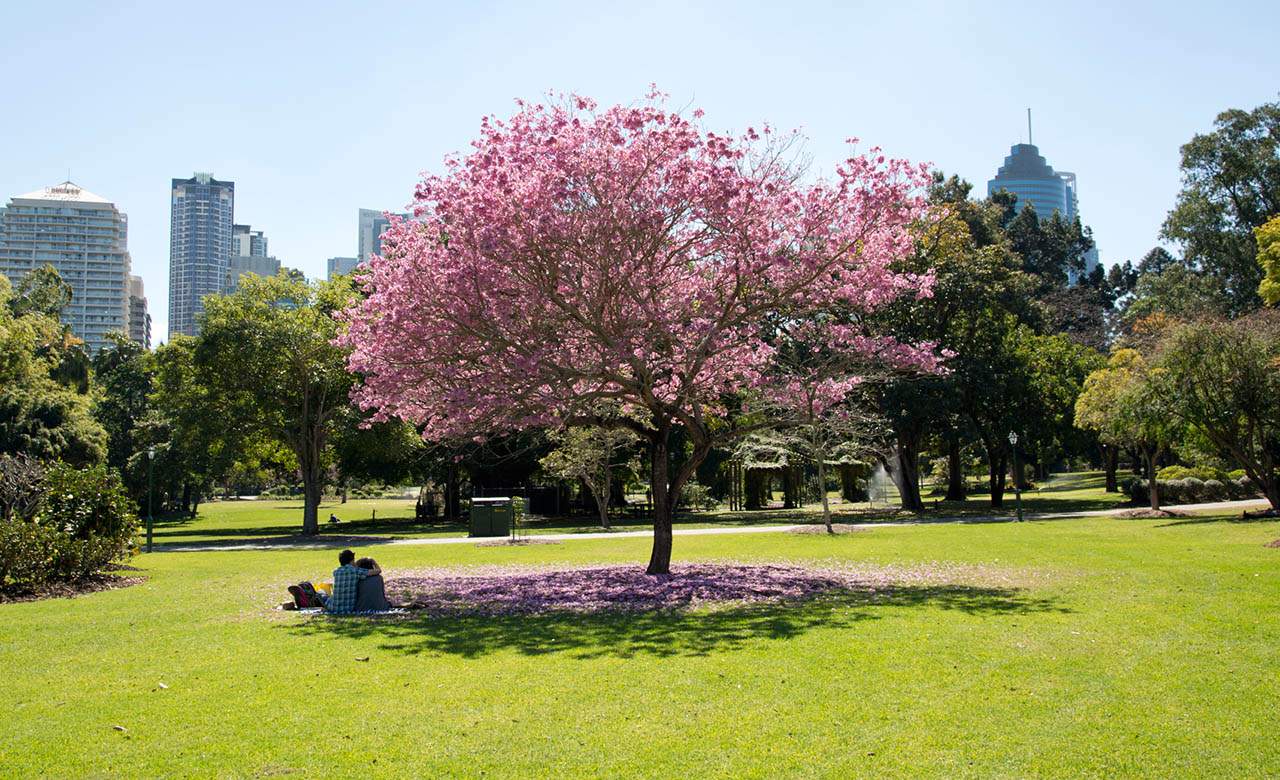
[[346, 578]]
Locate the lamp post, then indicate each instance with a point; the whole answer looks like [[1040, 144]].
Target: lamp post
[[151, 457], [1017, 475]]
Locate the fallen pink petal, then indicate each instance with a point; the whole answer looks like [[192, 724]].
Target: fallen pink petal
[[509, 591]]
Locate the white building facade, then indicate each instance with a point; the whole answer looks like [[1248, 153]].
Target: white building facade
[[86, 238]]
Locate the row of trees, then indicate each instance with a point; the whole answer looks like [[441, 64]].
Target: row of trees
[[591, 290]]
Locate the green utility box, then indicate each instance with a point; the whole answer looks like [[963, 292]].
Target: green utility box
[[491, 516]]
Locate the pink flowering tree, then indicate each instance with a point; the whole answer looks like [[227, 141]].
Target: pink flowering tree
[[626, 255]]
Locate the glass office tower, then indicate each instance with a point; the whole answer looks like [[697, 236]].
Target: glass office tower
[[200, 246]]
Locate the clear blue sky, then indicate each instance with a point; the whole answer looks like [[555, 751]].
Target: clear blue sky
[[317, 109]]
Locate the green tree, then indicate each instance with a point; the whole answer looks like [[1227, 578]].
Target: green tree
[[1126, 404], [596, 456], [44, 406], [196, 433], [1268, 238], [1224, 381], [1230, 185], [268, 351], [41, 291], [123, 377], [980, 291], [1178, 292]]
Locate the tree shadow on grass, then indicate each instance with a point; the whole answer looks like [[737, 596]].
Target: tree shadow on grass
[[1234, 519], [397, 527], [694, 632]]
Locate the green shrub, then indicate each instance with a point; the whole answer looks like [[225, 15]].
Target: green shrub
[[696, 496], [1217, 490], [1187, 491], [27, 553], [1193, 490], [85, 522], [1202, 473]]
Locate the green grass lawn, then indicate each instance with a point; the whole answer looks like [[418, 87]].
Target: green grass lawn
[[238, 522], [1117, 647]]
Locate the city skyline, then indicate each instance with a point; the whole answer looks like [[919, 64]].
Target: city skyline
[[370, 108]]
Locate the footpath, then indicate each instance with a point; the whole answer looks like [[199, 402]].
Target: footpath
[[320, 543]]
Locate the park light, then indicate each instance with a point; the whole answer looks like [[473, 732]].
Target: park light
[[1017, 473], [151, 458]]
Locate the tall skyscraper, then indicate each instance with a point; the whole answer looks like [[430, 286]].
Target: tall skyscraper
[[86, 238], [341, 266], [247, 242], [1028, 175], [372, 225], [139, 317], [202, 211]]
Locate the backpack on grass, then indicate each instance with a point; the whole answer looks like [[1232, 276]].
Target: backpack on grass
[[305, 596]]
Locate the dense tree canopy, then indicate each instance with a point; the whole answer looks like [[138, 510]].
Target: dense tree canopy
[[267, 353], [44, 377], [1223, 380], [1230, 185], [624, 254]]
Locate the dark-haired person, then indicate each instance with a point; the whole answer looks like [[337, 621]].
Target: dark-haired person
[[371, 592], [346, 583]]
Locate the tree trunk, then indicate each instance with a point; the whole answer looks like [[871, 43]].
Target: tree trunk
[[1272, 490], [822, 488], [660, 558], [602, 499], [1153, 484], [754, 488], [956, 488], [995, 470], [453, 494], [1020, 474], [906, 474], [1110, 463], [311, 502]]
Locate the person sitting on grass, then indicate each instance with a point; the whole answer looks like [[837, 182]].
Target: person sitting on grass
[[371, 592], [346, 583]]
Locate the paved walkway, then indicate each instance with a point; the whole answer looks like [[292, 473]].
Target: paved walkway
[[322, 544]]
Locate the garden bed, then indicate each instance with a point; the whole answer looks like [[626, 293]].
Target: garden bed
[[67, 590]]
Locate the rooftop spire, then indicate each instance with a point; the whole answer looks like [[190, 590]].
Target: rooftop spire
[[1029, 141]]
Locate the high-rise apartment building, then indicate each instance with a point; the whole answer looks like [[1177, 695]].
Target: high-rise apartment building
[[86, 238], [248, 256], [201, 220], [372, 225], [247, 242], [139, 317], [342, 266]]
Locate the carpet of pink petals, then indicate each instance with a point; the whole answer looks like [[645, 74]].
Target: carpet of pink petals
[[508, 591]]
